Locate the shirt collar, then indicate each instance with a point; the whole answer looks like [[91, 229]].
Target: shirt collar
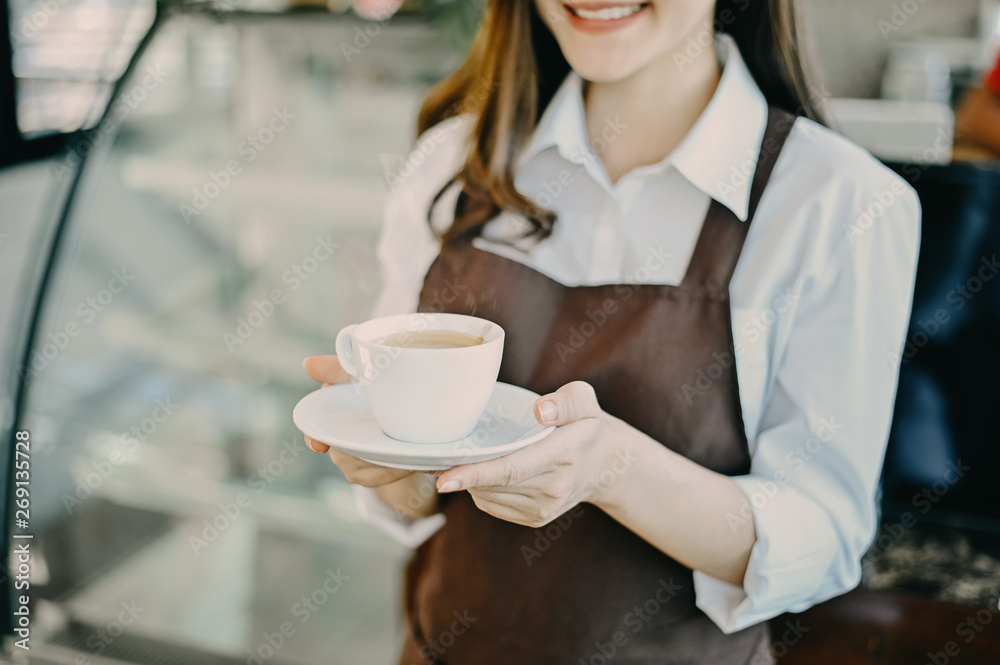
[[719, 153], [563, 125]]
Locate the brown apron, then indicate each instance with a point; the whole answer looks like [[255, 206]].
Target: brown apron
[[585, 589]]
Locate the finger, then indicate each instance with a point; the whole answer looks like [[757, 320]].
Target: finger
[[492, 473], [514, 493], [326, 369], [500, 507], [375, 476], [505, 471], [360, 472], [316, 446], [574, 401]]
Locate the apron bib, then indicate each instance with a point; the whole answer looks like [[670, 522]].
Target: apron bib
[[585, 589]]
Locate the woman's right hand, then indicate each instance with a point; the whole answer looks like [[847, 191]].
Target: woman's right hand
[[327, 370]]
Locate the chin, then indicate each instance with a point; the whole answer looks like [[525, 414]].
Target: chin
[[602, 67]]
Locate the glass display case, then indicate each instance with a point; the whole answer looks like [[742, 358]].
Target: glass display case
[[223, 229]]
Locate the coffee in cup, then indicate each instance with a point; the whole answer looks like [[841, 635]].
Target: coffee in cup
[[427, 377], [430, 339]]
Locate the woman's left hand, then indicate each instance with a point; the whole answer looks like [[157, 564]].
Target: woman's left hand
[[537, 484]]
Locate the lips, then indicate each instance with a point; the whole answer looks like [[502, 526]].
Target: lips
[[600, 17]]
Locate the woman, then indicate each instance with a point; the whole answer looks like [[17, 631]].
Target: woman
[[722, 390]]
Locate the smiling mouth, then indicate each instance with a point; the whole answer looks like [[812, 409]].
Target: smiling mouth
[[607, 13]]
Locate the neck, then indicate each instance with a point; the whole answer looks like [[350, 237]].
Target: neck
[[656, 106]]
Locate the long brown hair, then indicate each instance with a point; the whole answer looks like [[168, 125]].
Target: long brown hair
[[515, 66]]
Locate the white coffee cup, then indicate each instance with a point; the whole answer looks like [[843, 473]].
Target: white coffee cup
[[423, 395]]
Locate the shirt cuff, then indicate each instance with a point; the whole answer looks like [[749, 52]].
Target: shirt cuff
[[789, 564], [411, 533]]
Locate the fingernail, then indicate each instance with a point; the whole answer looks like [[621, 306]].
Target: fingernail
[[304, 361], [449, 486], [548, 411]]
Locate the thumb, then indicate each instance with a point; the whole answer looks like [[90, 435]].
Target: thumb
[[574, 401], [316, 446], [326, 369], [496, 472]]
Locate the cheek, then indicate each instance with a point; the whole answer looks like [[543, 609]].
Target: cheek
[[551, 12]]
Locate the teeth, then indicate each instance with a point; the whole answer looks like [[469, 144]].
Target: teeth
[[608, 14]]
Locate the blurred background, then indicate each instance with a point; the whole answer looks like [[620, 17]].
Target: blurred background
[[190, 195]]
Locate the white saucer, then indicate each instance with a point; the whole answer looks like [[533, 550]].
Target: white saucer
[[339, 417]]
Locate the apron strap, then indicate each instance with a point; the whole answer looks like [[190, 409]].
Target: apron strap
[[722, 235]]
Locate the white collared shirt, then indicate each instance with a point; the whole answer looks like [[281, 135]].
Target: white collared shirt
[[820, 302]]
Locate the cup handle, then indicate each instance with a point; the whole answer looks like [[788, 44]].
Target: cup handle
[[345, 352]]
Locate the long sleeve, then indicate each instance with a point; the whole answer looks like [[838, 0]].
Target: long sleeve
[[410, 533], [406, 249], [818, 452], [407, 245]]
